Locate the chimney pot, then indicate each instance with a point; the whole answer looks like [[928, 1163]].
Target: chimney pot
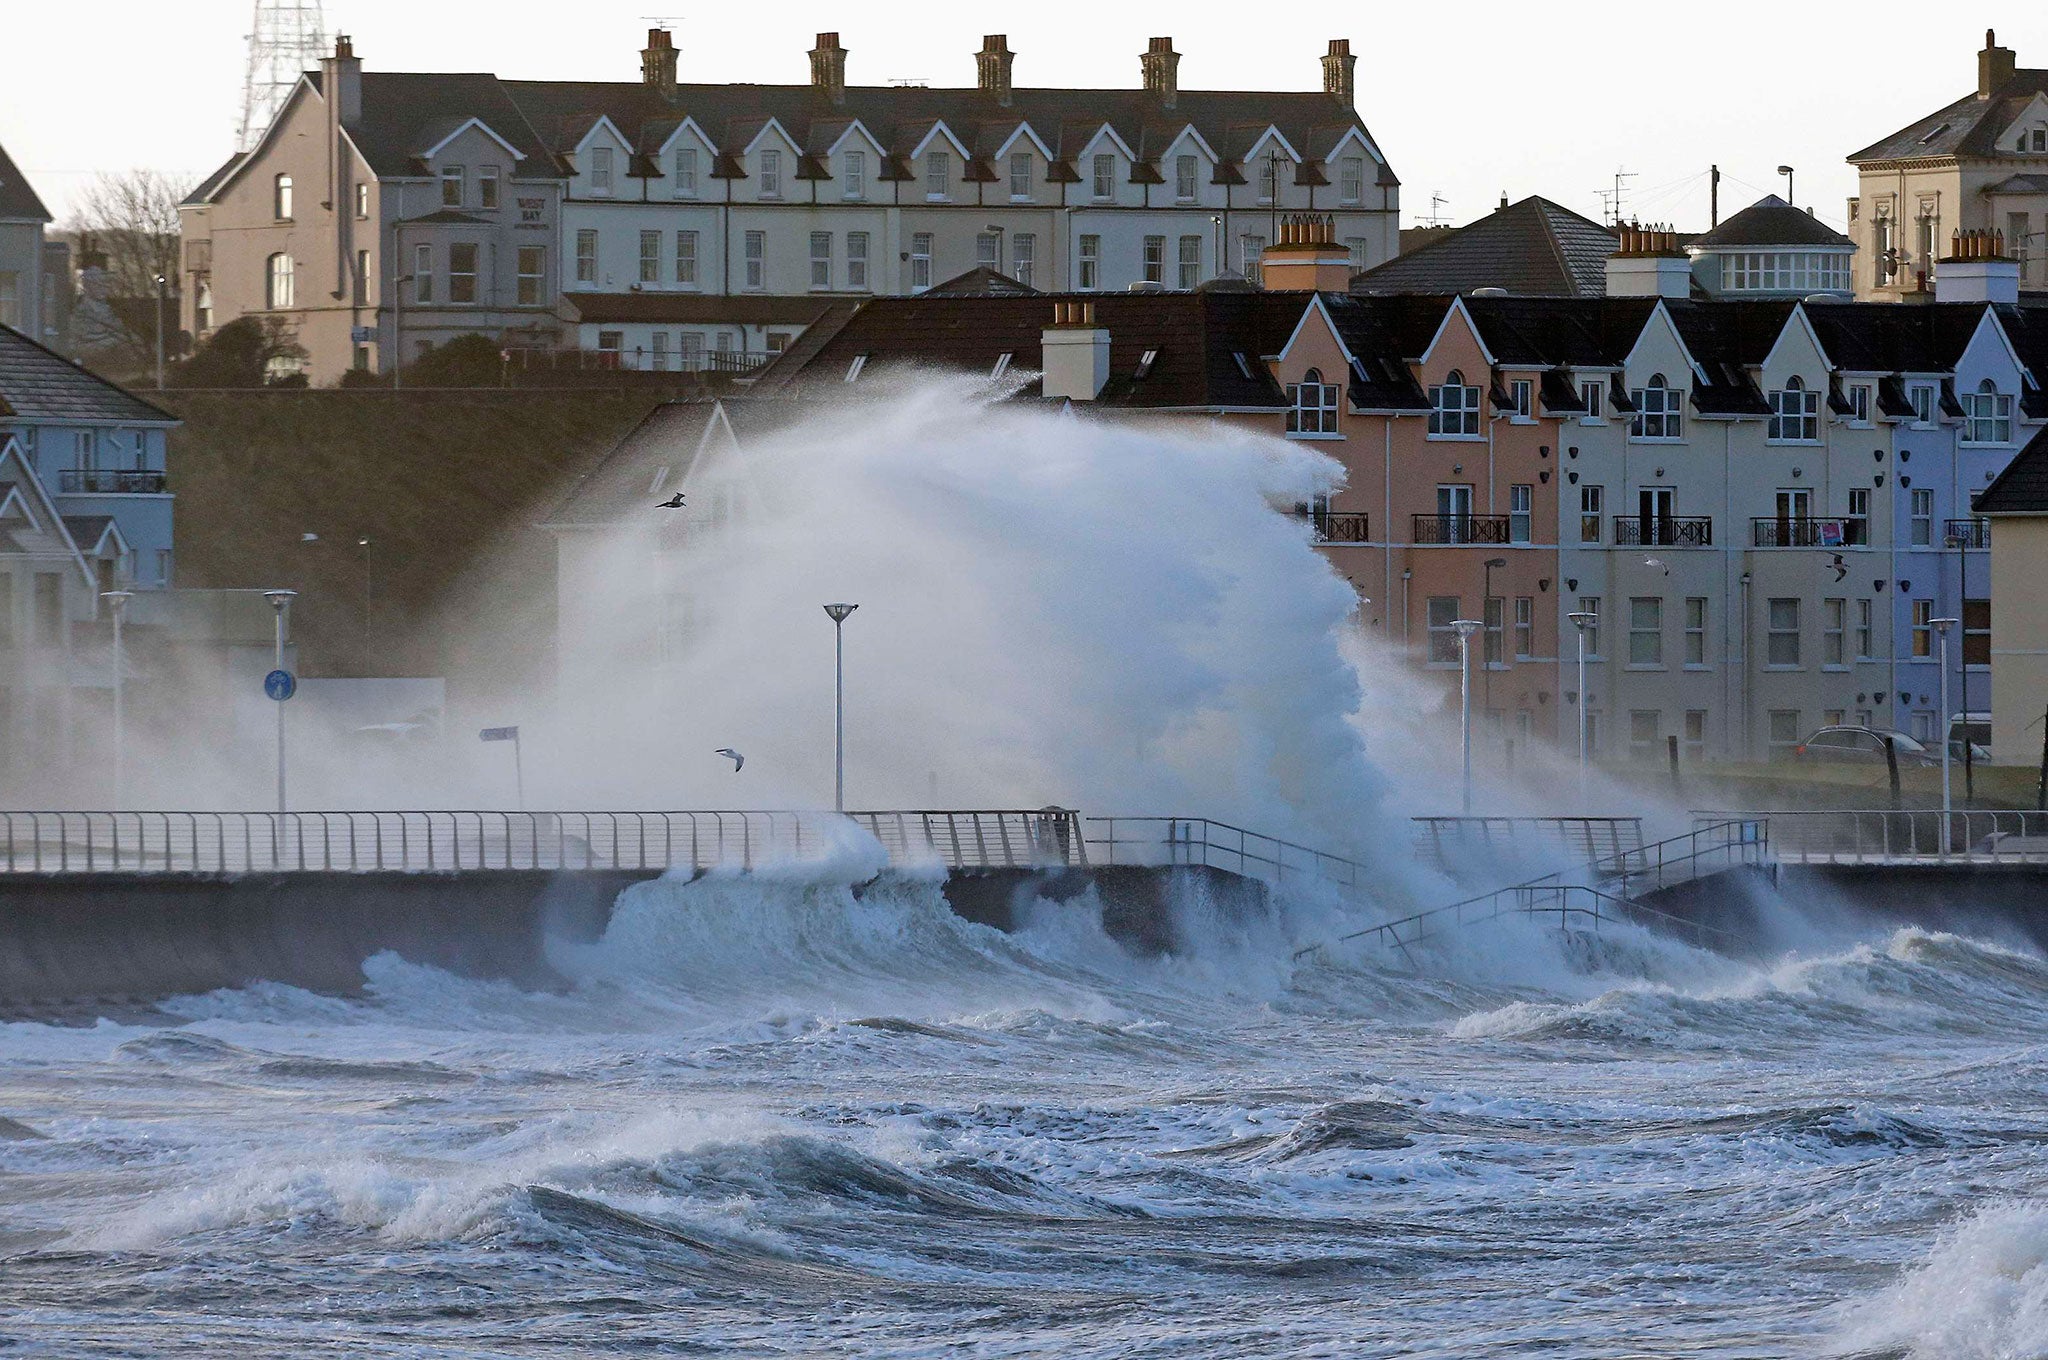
[[658, 63], [1340, 72], [828, 69], [1996, 66], [1161, 68], [992, 68]]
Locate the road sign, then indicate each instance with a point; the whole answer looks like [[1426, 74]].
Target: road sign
[[499, 734], [280, 685]]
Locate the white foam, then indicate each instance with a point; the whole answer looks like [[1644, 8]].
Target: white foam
[[1981, 1294]]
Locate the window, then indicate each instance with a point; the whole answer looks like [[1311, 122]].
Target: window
[[1881, 258], [1155, 259], [487, 186], [1987, 415], [1781, 639], [857, 260], [1253, 250], [920, 261], [660, 357], [362, 203], [1976, 632], [1023, 256], [533, 275], [277, 284], [1020, 174], [938, 174], [359, 284], [1795, 414], [1859, 511], [854, 174], [1314, 405], [1590, 604], [1269, 179], [756, 256], [1593, 393], [1785, 271], [462, 271], [1921, 526], [1105, 175], [600, 170], [1859, 403], [1865, 638], [650, 257], [686, 258], [1358, 252], [422, 273], [1645, 631], [686, 172], [1783, 733], [1525, 627], [1923, 628], [586, 255], [1695, 630], [1592, 502], [821, 260], [1489, 636], [690, 351], [1454, 409], [1519, 392], [1184, 177], [1351, 179], [988, 250], [610, 342], [1645, 730], [1922, 397], [1190, 262], [1443, 638], [1659, 410], [1695, 739], [771, 172], [1521, 503], [1091, 262], [281, 198], [1833, 621]]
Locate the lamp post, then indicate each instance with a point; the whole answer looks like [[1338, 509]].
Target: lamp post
[[363, 542], [117, 603], [1466, 628], [1941, 627], [1581, 622], [162, 286], [1786, 171], [281, 602], [839, 613]]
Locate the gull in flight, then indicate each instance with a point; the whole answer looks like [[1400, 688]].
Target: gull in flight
[[1841, 568], [1654, 562], [674, 502], [735, 757]]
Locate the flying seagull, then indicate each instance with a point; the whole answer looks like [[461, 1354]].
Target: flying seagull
[[735, 757], [674, 502], [1654, 562], [1841, 568]]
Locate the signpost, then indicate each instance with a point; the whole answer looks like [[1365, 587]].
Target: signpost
[[510, 734], [280, 686]]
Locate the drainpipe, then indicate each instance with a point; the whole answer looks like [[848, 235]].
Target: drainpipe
[[1387, 518]]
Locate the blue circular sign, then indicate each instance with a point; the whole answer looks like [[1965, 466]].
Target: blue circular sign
[[280, 685]]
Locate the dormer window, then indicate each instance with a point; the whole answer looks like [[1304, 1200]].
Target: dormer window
[[451, 186], [1020, 174], [1351, 179], [600, 170], [1521, 396], [1660, 410], [281, 198], [1795, 414], [1105, 176], [1313, 405], [938, 175], [1185, 171], [686, 172], [1269, 178], [1454, 408], [1987, 415], [771, 173], [855, 167]]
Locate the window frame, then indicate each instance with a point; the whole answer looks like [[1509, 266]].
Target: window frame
[[1441, 649], [1594, 496], [821, 262], [683, 176], [600, 176], [768, 173], [754, 256], [282, 194], [1698, 611], [857, 261], [1187, 177], [1646, 633], [1088, 263], [1102, 176], [920, 261], [1666, 423], [532, 284], [1795, 414], [1021, 171], [465, 281], [1312, 407], [1789, 655], [938, 175], [280, 282], [1454, 409], [684, 261]]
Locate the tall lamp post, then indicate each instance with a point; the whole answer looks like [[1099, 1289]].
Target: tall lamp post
[[117, 604], [281, 602], [839, 613], [1581, 622], [162, 290], [1466, 628], [1941, 627], [1786, 171]]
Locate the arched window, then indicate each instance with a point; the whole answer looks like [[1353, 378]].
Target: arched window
[[281, 198], [1795, 414], [1987, 415], [1660, 410], [277, 283], [1454, 408], [1314, 405]]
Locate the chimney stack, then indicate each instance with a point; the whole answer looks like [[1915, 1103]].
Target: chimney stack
[[1977, 269], [1161, 65], [1995, 66], [992, 67], [658, 63], [828, 69], [1307, 257], [1647, 262], [1340, 73], [342, 77], [1074, 353]]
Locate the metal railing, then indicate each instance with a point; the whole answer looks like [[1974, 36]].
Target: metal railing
[[1709, 848], [1968, 534], [1218, 845], [111, 481], [1777, 531], [448, 841], [1448, 841], [1344, 527], [1437, 530], [1902, 837], [1664, 531]]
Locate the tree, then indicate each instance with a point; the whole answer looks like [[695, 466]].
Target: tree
[[126, 227], [250, 351]]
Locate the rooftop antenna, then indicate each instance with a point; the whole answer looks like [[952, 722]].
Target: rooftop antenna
[[1620, 176], [286, 38], [909, 82], [664, 22], [1437, 202]]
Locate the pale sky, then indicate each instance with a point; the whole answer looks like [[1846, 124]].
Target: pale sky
[[1468, 100]]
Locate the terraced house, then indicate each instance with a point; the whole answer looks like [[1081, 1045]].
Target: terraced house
[[669, 224]]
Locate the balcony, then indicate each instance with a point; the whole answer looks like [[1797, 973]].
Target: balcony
[[110, 482], [1805, 532], [1341, 528], [1973, 534], [1664, 531], [1436, 530]]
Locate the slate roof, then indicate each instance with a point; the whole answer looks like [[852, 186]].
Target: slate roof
[[87, 530], [405, 113], [1865, 338], [1568, 332], [204, 189], [18, 199], [741, 309], [38, 384], [981, 282], [2022, 489], [1968, 127], [1533, 248], [1771, 221]]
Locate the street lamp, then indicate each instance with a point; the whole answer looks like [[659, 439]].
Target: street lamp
[[1786, 171], [281, 602], [839, 613], [1582, 621], [162, 286], [364, 544], [1466, 628], [1941, 627], [117, 603]]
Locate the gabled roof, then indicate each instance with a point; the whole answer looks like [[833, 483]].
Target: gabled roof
[[1593, 332], [981, 282], [1860, 337], [203, 190], [38, 384], [18, 199], [1771, 221], [406, 112], [1968, 127], [2022, 489], [1534, 248]]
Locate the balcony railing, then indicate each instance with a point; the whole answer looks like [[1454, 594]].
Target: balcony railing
[[110, 481], [1805, 532], [1341, 528], [1967, 533], [1663, 531], [1446, 529]]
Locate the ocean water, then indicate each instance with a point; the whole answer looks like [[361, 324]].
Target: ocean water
[[779, 1117]]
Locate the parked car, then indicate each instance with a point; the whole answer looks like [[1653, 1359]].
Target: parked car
[[1976, 728], [1862, 746]]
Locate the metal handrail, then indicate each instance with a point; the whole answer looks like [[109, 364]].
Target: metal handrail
[[1539, 898], [1199, 841], [1903, 836]]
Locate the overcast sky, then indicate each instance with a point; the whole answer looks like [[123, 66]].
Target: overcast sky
[[1468, 100]]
